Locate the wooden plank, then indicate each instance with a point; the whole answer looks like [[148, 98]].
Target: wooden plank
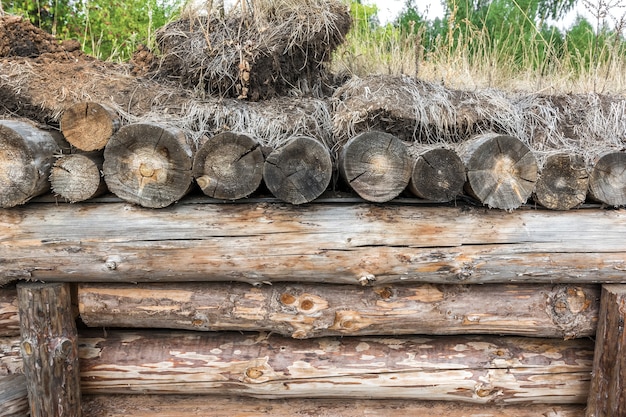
[[463, 368], [9, 316], [10, 356], [309, 310], [607, 396], [334, 243], [13, 396], [196, 405], [49, 349]]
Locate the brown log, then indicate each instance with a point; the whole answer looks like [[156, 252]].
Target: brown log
[[501, 170], [10, 356], [303, 311], [78, 177], [13, 396], [333, 243], [196, 405], [607, 181], [299, 171], [475, 369], [26, 156], [563, 182], [148, 164], [438, 175], [607, 396], [49, 349], [88, 126], [229, 166], [376, 165], [9, 317]]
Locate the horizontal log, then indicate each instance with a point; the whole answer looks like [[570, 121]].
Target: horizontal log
[[9, 316], [10, 356], [196, 405], [334, 243], [466, 369], [13, 396], [307, 310]]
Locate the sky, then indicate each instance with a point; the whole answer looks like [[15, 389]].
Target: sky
[[389, 9]]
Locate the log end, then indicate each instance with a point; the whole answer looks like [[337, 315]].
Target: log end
[[563, 182], [77, 177], [88, 126], [438, 175], [607, 182]]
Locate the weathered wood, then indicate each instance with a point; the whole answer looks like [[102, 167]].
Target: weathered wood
[[196, 405], [607, 181], [303, 311], [501, 170], [563, 182], [49, 349], [466, 369], [333, 243], [13, 396], [78, 177], [229, 166], [438, 175], [607, 396], [376, 165], [298, 171], [26, 156], [148, 164], [88, 126], [9, 316], [11, 361]]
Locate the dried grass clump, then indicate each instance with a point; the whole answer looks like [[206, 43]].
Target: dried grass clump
[[274, 47]]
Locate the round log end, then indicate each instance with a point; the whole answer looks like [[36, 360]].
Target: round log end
[[299, 171], [88, 126], [501, 170], [26, 155], [229, 166], [77, 177], [607, 182], [148, 164], [563, 182], [438, 175], [376, 165]]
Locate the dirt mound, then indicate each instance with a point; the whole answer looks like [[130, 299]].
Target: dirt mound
[[275, 48], [19, 38]]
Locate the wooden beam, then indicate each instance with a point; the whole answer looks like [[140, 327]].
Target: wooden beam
[[196, 405], [310, 310], [607, 396], [9, 317], [13, 396], [49, 349], [470, 369], [334, 243], [10, 356]]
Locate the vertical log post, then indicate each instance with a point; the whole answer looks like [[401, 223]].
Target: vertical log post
[[607, 396], [49, 349]]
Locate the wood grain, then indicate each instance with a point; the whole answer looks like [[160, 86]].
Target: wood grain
[[332, 243], [308, 310], [9, 312]]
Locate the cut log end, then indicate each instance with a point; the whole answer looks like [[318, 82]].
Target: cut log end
[[563, 182], [77, 177], [26, 155], [501, 170], [607, 182], [229, 166], [438, 175], [88, 126], [376, 165], [298, 172], [148, 164]]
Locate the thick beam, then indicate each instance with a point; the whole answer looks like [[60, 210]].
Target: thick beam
[[607, 397], [472, 369], [49, 349], [196, 405], [13, 396], [338, 243], [313, 310]]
